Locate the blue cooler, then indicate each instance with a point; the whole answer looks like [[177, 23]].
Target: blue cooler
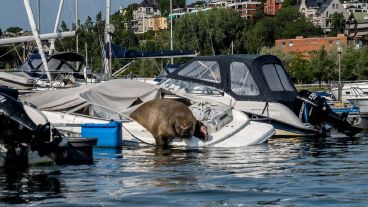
[[108, 135]]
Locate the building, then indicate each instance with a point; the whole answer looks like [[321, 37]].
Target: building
[[157, 23], [320, 11], [357, 28], [306, 45], [271, 7], [218, 3], [246, 8], [356, 6], [141, 18]]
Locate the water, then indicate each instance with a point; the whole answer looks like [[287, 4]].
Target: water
[[283, 172]]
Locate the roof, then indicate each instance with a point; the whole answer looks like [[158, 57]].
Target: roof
[[324, 5], [360, 17]]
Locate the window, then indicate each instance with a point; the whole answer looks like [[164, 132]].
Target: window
[[291, 44], [283, 44], [337, 42], [337, 6], [276, 78], [242, 82], [202, 70], [333, 6]]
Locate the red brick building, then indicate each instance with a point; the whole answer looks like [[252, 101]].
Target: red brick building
[[272, 6], [305, 45]]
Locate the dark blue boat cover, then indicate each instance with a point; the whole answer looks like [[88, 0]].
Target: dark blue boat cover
[[124, 53]]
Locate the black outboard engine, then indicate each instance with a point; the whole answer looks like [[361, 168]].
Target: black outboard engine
[[18, 131], [312, 108]]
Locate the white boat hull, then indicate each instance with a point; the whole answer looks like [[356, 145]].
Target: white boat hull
[[237, 133]]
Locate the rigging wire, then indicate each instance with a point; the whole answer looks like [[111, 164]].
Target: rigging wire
[[213, 50], [15, 47], [195, 35]]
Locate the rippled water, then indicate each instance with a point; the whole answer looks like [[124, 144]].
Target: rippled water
[[283, 172]]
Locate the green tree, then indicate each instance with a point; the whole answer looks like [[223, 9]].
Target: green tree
[[349, 63], [287, 23], [362, 64], [337, 24], [14, 30], [300, 69], [322, 66], [165, 6], [209, 32]]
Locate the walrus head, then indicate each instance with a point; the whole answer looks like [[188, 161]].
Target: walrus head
[[184, 128]]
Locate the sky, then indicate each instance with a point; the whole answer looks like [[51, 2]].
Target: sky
[[13, 13]]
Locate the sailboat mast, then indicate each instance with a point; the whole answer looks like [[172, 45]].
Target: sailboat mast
[[76, 26], [171, 31], [108, 61], [38, 16], [36, 35], [52, 45]]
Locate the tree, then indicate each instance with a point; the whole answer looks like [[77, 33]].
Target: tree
[[209, 32], [14, 30], [337, 24], [322, 66], [165, 6], [362, 64], [349, 63], [287, 23]]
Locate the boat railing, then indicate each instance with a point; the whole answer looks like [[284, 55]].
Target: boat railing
[[55, 82]]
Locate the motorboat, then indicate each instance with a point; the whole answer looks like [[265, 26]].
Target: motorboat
[[355, 93], [26, 136], [67, 69], [258, 85], [67, 109]]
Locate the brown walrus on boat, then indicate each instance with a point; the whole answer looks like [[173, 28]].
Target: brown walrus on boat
[[167, 119]]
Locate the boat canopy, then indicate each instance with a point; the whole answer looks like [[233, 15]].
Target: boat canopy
[[66, 61], [117, 95], [124, 53], [245, 77]]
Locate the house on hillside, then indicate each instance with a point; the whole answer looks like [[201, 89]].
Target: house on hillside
[[320, 11], [141, 18], [246, 8], [272, 6], [157, 23], [357, 28]]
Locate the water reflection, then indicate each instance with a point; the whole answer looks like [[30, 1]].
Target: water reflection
[[296, 172], [24, 186]]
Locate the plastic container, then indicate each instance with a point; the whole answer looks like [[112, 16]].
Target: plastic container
[[108, 135]]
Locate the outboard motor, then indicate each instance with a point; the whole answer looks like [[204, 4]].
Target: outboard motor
[[18, 131], [312, 108]]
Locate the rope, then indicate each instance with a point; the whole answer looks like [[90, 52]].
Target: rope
[[136, 137]]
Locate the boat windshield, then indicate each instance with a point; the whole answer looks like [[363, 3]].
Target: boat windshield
[[276, 77], [202, 70], [242, 82], [189, 87]]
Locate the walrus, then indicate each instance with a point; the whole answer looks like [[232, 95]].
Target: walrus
[[167, 119]]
